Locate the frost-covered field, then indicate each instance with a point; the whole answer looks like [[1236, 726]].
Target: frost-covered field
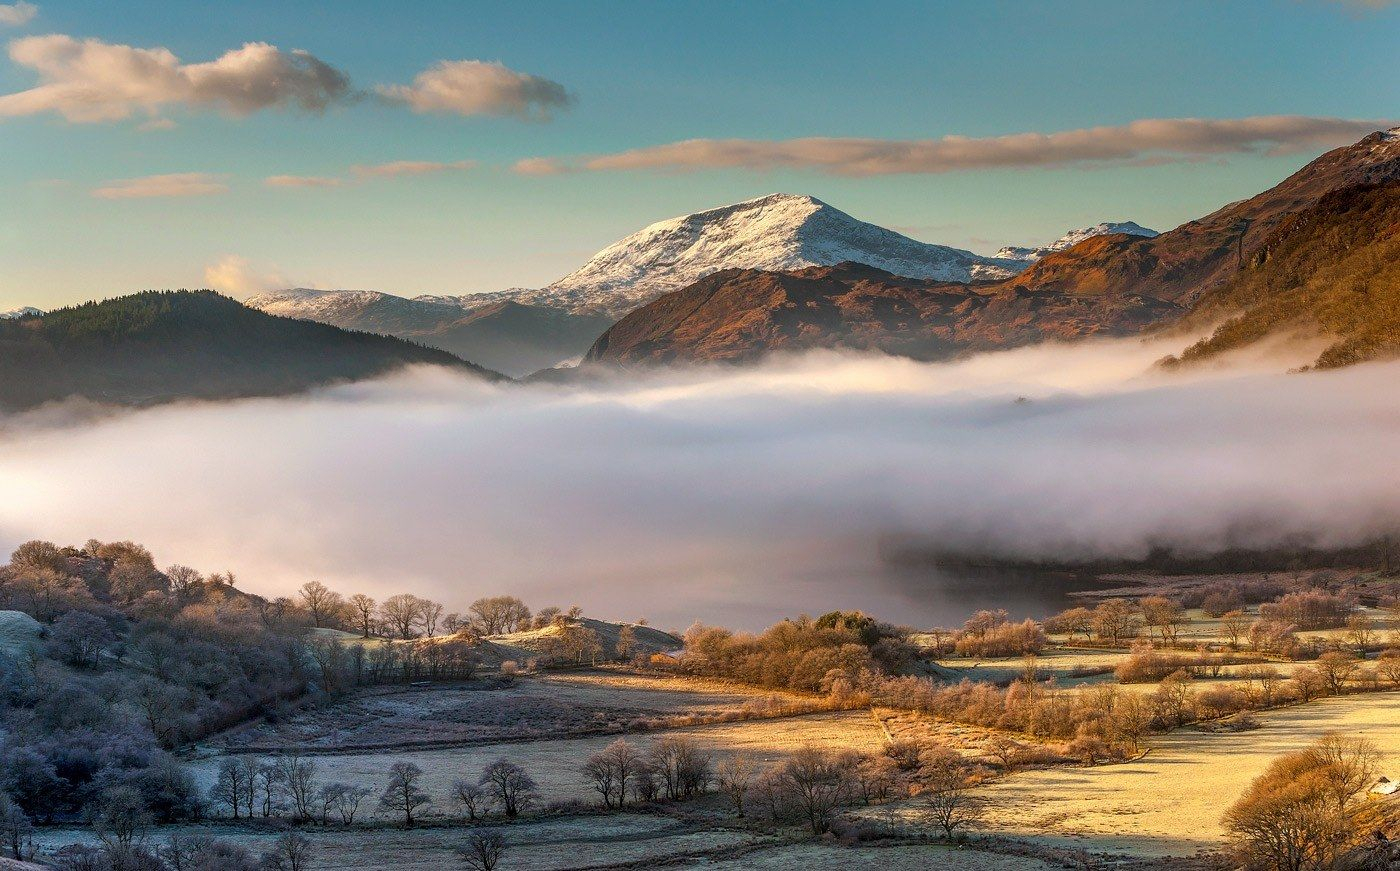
[[549, 706], [554, 764], [1171, 801]]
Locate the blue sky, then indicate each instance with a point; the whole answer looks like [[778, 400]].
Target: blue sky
[[642, 75]]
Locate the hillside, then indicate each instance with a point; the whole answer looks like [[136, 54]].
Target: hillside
[[502, 335], [740, 314], [1185, 264], [1332, 271], [159, 346], [776, 232]]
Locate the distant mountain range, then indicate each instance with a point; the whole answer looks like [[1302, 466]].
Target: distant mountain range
[[26, 311], [519, 331], [1074, 237], [503, 335], [1217, 267], [162, 345]]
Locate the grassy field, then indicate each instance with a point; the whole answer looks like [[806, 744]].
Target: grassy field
[[1170, 802]]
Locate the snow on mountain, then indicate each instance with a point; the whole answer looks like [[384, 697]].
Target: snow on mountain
[[1072, 238], [327, 306], [473, 301], [776, 232], [22, 312]]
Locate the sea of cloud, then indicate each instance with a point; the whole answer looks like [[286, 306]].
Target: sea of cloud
[[733, 495]]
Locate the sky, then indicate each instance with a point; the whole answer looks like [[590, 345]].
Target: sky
[[446, 147]]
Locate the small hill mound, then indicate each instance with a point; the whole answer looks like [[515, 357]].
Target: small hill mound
[[554, 641], [19, 633]]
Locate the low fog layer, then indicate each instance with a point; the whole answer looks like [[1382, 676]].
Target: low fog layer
[[732, 495]]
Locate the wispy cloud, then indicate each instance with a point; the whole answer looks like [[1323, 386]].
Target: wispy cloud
[[90, 81], [17, 14], [1146, 142], [302, 181], [176, 184], [409, 167], [474, 87]]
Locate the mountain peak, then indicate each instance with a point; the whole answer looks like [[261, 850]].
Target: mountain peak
[[778, 231]]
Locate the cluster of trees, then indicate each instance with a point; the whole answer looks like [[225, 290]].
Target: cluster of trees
[[135, 661], [821, 655], [1299, 815]]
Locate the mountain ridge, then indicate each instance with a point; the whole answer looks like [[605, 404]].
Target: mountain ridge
[[160, 346]]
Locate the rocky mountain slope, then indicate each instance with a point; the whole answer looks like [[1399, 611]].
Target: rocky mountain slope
[[1074, 237], [24, 312], [776, 232], [1331, 273], [1112, 284], [161, 346], [740, 314], [1186, 263]]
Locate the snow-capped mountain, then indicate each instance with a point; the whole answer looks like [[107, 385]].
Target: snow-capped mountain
[[23, 312], [500, 334], [1072, 238], [776, 232]]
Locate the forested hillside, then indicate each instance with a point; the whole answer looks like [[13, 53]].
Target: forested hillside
[[162, 345]]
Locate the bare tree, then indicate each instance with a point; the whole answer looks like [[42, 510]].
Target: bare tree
[[121, 818], [321, 602], [229, 788], [290, 852], [484, 849], [499, 615], [429, 613], [736, 775], [949, 798], [819, 783], [15, 829], [401, 613], [626, 642], [363, 608], [470, 796], [402, 793], [1233, 625], [509, 785], [298, 782]]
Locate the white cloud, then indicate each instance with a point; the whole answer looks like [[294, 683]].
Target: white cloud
[[409, 167], [17, 14], [89, 81], [175, 184], [302, 181], [1146, 142], [473, 87], [236, 277]]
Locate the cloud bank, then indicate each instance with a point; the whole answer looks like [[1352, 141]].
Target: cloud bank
[[737, 495], [474, 87], [90, 81], [1146, 142]]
